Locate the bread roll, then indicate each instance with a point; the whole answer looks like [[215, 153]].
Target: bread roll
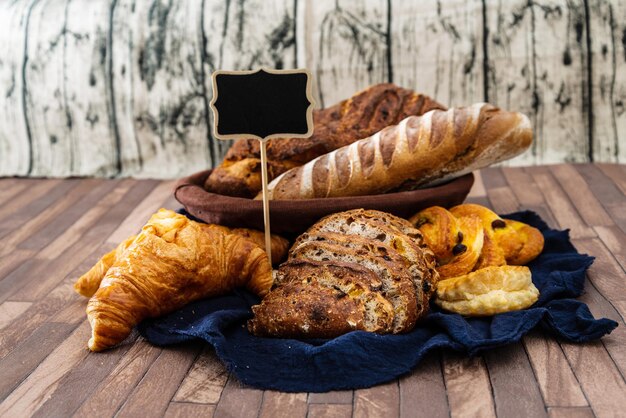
[[418, 152]]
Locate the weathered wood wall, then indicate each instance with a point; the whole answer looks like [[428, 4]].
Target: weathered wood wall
[[121, 87]]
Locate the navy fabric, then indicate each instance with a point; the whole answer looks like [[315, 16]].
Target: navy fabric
[[360, 359]]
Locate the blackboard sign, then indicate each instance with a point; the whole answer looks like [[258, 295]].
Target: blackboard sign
[[262, 104]]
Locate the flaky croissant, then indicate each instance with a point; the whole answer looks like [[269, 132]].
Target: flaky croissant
[[173, 261]]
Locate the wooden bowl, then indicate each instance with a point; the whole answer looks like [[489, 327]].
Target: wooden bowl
[[295, 216]]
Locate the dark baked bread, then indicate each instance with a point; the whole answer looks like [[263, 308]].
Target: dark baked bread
[[405, 253], [341, 272], [300, 306], [391, 230], [360, 116], [397, 286]]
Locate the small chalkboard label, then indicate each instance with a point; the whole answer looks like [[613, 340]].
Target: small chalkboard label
[[262, 104]]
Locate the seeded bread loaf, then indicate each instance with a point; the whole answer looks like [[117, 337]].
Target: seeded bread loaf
[[309, 288], [418, 152], [397, 286], [340, 273], [360, 116], [423, 285]]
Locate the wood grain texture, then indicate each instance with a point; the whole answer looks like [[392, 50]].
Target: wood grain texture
[[600, 380], [424, 386], [21, 362], [605, 273], [379, 401], [556, 380], [335, 396], [608, 78], [615, 172], [113, 391], [346, 45], [276, 404], [142, 212], [468, 386], [16, 142], [437, 49], [82, 221], [122, 87], [614, 240], [28, 205], [561, 206], [574, 185], [79, 383], [47, 216], [238, 397], [11, 310], [33, 392], [152, 395], [205, 381], [510, 372], [565, 412], [185, 410], [39, 312], [615, 343], [329, 411], [549, 84]]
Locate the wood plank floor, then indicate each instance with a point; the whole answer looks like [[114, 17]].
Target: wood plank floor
[[59, 228]]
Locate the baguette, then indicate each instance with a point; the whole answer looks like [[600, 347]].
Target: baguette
[[360, 116], [420, 151]]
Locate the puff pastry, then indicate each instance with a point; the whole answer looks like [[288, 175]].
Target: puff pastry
[[492, 290], [173, 261]]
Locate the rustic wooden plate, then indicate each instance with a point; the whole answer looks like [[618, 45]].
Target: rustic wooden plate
[[295, 216]]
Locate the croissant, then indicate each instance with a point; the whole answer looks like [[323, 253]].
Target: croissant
[[417, 152], [89, 282], [173, 261]]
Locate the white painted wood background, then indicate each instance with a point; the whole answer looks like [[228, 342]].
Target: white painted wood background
[[121, 87]]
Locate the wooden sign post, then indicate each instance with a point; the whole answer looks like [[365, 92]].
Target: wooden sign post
[[262, 104]]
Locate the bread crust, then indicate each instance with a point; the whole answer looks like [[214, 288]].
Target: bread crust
[[360, 116], [398, 286], [322, 300], [417, 152]]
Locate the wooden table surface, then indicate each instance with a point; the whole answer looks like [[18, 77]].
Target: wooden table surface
[[51, 231]]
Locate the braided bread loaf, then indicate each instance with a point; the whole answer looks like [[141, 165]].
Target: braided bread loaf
[[419, 151]]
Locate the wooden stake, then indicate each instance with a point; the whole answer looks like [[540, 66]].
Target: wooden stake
[[266, 203]]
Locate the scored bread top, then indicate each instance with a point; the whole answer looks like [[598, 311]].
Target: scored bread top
[[418, 151]]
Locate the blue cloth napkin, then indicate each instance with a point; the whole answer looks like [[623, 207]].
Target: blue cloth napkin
[[360, 359]]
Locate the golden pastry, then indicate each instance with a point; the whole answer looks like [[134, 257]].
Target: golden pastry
[[89, 282], [492, 254], [456, 242], [520, 243], [173, 261], [488, 291]]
